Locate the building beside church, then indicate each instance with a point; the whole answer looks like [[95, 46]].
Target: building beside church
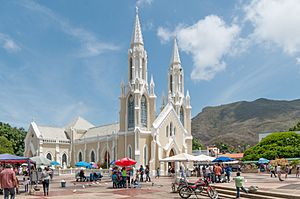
[[141, 134]]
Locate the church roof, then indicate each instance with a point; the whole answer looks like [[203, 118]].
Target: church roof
[[163, 114], [80, 124], [102, 130], [48, 132], [175, 58], [137, 37]]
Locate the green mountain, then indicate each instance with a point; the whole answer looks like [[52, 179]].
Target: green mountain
[[240, 123]]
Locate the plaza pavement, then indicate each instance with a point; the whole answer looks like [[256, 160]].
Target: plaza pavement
[[160, 188]]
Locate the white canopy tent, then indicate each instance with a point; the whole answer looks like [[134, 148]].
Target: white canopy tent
[[204, 158], [182, 157], [41, 160]]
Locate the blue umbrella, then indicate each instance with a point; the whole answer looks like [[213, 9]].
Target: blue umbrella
[[223, 159], [83, 164], [54, 163], [263, 161]]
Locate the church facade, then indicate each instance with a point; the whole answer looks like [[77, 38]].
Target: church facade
[[141, 134]]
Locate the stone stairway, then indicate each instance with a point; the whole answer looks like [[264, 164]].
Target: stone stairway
[[228, 192]]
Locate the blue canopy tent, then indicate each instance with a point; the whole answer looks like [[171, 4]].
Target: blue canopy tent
[[223, 159], [54, 163], [83, 164], [263, 161]]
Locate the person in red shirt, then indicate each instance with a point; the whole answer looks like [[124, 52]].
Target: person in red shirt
[[8, 182], [218, 172]]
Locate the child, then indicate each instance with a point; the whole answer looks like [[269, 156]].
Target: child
[[26, 181], [239, 183], [114, 180]]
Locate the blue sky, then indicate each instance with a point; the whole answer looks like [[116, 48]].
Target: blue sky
[[63, 59]]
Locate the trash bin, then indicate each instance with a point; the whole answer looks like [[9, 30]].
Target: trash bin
[[63, 183]]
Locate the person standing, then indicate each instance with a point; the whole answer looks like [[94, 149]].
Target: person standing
[[8, 182], [141, 173], [239, 184], [46, 180], [228, 172], [218, 172], [157, 172], [147, 172]]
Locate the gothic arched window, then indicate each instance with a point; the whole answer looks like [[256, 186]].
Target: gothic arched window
[[64, 159], [143, 69], [130, 114], [144, 111], [92, 156], [181, 116], [49, 156], [79, 157], [171, 80], [167, 131], [171, 129], [130, 68]]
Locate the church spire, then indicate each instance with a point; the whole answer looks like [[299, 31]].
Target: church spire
[[175, 59], [137, 37]]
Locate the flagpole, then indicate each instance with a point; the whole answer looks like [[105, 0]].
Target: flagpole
[[107, 152]]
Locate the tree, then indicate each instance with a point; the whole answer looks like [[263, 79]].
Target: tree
[[197, 145], [15, 135], [296, 127], [5, 145], [276, 145]]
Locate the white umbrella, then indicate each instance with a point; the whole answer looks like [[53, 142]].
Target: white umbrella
[[41, 160], [182, 157], [204, 158]]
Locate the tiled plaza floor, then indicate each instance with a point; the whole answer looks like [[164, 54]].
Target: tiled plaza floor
[[160, 188]]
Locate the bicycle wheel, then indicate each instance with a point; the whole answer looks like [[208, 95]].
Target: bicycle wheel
[[212, 193], [185, 192]]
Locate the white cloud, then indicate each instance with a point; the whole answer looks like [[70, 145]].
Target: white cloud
[[276, 21], [141, 3], [91, 45], [8, 43], [208, 41], [298, 60]]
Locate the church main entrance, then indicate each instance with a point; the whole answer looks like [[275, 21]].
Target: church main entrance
[[171, 164]]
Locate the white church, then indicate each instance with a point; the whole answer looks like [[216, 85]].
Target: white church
[[141, 134]]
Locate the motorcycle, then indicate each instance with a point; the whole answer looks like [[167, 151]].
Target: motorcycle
[[197, 188]]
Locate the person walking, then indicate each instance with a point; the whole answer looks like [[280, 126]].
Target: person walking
[[8, 182], [272, 171], [147, 172], [46, 180], [239, 184], [278, 171]]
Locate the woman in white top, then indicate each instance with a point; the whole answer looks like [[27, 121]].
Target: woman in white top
[[46, 180]]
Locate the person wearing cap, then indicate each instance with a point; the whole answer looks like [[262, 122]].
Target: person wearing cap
[[8, 182]]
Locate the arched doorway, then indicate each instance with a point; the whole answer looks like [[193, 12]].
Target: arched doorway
[[106, 158], [171, 164], [64, 160]]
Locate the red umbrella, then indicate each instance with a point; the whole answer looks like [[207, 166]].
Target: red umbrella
[[124, 162]]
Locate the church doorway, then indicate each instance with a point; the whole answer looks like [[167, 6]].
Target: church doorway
[[106, 159], [171, 164]]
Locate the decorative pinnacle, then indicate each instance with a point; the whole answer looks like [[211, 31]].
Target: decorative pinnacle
[[175, 59], [137, 37]]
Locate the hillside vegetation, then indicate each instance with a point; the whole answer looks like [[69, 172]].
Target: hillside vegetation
[[239, 123]]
